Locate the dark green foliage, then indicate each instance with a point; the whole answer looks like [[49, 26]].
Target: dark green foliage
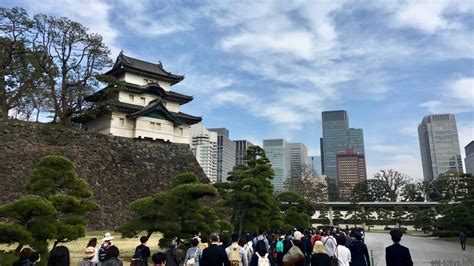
[[296, 210], [451, 186], [176, 213], [458, 217], [14, 233], [56, 212], [369, 190], [8, 258], [249, 194], [423, 219]]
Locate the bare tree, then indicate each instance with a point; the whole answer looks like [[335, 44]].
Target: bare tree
[[309, 185], [392, 182]]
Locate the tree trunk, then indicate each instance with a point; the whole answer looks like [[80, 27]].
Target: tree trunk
[[148, 234], [18, 248], [242, 217], [55, 244]]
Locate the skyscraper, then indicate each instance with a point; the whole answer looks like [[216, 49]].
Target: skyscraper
[[241, 147], [225, 153], [278, 153], [439, 145], [204, 146], [315, 165], [337, 137], [350, 171], [298, 158], [469, 160]]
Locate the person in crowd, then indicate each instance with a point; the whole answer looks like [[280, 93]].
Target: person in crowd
[[261, 255], [462, 239], [330, 244], [261, 236], [308, 247], [279, 248], [193, 254], [93, 244], [34, 258], [396, 254], [197, 235], [112, 257], [348, 234], [235, 253], [172, 256], [59, 256], [214, 255], [24, 259], [319, 258], [359, 251], [297, 236], [159, 259], [247, 243], [88, 256], [104, 248], [142, 253], [342, 253]]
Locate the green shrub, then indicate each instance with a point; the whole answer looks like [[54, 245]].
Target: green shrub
[[7, 258], [445, 233]]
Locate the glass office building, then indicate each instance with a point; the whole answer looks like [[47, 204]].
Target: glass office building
[[439, 145], [277, 151]]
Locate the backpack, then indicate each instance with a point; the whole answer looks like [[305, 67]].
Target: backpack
[[102, 254], [234, 256], [279, 246], [255, 240], [138, 254], [263, 261]]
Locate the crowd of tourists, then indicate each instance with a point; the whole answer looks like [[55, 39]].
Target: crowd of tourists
[[312, 247]]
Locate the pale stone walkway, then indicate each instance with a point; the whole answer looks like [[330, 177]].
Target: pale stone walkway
[[424, 250]]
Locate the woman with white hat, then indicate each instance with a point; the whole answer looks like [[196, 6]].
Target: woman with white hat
[[103, 256]]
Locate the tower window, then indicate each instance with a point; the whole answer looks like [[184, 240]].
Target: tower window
[[122, 122], [131, 97]]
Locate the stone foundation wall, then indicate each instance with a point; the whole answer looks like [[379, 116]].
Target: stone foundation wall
[[119, 170]]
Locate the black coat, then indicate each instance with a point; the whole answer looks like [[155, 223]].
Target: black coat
[[359, 254], [214, 256], [397, 255], [320, 259]]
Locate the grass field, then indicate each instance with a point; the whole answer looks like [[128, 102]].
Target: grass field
[[125, 245]]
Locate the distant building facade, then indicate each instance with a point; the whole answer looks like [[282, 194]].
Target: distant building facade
[[351, 169], [469, 160], [241, 147], [337, 137], [225, 153], [277, 151], [143, 107], [314, 163], [439, 145], [298, 159], [204, 147]]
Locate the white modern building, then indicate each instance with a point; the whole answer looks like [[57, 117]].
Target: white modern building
[[225, 153], [277, 151], [298, 159], [469, 160], [142, 105], [204, 147]]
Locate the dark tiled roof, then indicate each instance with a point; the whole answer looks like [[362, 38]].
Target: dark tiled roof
[[148, 69], [155, 105], [153, 88]]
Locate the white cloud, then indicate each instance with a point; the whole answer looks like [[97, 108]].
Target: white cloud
[[457, 96]]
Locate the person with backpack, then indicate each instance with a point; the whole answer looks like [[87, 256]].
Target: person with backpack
[[261, 257], [319, 258], [298, 243], [193, 255], [279, 247], [172, 256], [104, 248], [235, 253], [88, 255], [159, 259], [142, 253], [112, 257], [261, 236], [330, 245], [246, 242]]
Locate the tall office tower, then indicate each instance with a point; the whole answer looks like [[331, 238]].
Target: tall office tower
[[204, 146], [225, 153], [469, 160], [439, 145], [241, 147], [298, 159], [278, 153], [315, 165], [350, 171], [337, 137]]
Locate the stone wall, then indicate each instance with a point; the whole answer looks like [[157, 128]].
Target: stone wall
[[119, 170]]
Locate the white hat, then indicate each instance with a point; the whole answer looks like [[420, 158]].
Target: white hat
[[298, 235], [107, 237]]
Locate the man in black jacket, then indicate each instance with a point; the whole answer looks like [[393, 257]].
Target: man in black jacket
[[396, 254], [214, 255], [359, 251]]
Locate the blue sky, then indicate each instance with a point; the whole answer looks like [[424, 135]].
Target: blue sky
[[266, 69]]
